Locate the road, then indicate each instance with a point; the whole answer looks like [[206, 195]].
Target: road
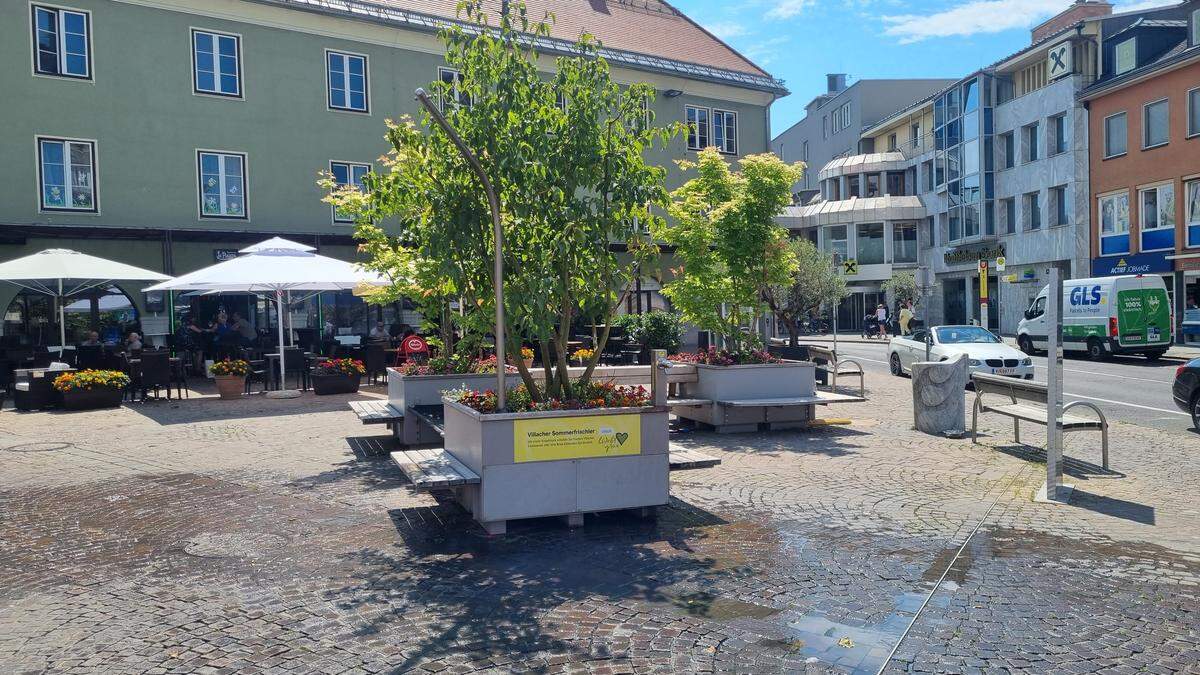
[[1129, 389]]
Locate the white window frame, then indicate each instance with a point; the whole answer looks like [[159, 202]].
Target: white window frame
[[222, 154], [723, 144], [345, 83], [1146, 124], [60, 38], [456, 91], [1125, 114], [193, 32], [1157, 187], [707, 140], [1117, 70], [1187, 222], [904, 225], [350, 167], [1193, 102], [1195, 26], [67, 168], [829, 240], [1100, 200]]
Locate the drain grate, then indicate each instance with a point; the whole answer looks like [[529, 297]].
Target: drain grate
[[233, 545]]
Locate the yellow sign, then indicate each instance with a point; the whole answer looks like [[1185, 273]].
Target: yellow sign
[[549, 438], [850, 267]]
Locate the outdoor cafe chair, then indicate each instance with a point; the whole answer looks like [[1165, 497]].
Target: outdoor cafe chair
[[155, 372], [34, 390], [295, 362], [258, 369]]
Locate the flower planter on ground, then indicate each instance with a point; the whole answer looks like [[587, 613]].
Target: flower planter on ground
[[410, 390], [90, 399], [559, 463], [324, 385], [230, 387], [88, 389], [745, 383]]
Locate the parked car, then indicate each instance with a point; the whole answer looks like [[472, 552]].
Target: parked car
[[1187, 390], [986, 352]]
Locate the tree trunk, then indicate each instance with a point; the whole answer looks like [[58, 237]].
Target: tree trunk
[[793, 331]]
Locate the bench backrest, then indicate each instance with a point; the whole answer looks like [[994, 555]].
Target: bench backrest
[[821, 355], [1022, 390]]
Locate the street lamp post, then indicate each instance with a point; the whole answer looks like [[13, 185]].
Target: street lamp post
[[497, 235]]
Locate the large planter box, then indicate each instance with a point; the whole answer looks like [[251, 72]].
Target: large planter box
[[556, 463], [765, 382], [91, 399], [409, 390], [324, 385]]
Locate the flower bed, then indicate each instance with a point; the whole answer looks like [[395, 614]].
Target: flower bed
[[723, 357], [594, 395], [454, 365]]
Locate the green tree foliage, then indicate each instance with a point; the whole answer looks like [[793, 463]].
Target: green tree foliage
[[903, 287], [730, 248], [815, 282], [571, 179]]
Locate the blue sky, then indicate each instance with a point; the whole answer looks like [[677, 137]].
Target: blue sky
[[801, 40]]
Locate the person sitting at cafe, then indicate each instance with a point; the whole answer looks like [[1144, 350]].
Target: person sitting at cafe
[[243, 328], [380, 332], [133, 342], [93, 340]]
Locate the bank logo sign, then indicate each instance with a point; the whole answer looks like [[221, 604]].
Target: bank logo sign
[[1058, 60]]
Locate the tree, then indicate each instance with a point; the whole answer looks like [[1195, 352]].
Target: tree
[[814, 282], [903, 287], [725, 235], [572, 180]]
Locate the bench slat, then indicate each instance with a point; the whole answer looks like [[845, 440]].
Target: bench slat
[[433, 469], [376, 412], [1032, 413], [433, 415], [683, 460], [818, 398], [688, 402]]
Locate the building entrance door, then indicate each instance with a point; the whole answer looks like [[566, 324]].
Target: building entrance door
[[954, 301]]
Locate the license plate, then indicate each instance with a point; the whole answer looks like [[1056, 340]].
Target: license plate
[[1004, 371]]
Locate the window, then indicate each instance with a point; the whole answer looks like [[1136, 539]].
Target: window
[[455, 89], [1116, 135], [1009, 149], [1060, 199], [1114, 224], [927, 175], [870, 244], [904, 243], [914, 133], [891, 142], [931, 233], [67, 173], [1030, 133], [872, 185], [725, 131], [1155, 117], [1058, 127], [347, 174], [222, 184], [1008, 207], [835, 241], [1157, 217], [346, 75], [824, 126], [895, 183], [1191, 213], [560, 102], [697, 123], [62, 42], [853, 189], [1033, 207], [1196, 27], [216, 64], [1125, 56], [1193, 107], [804, 151], [841, 118]]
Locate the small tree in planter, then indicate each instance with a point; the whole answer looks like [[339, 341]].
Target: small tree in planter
[[813, 283], [230, 376], [337, 376], [88, 389]]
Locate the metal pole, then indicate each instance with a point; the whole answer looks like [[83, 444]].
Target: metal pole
[[279, 312], [62, 320], [497, 235], [836, 262], [1054, 386]]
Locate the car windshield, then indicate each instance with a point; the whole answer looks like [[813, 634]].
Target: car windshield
[[952, 335]]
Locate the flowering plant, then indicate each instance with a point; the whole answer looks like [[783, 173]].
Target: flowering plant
[[340, 367], [714, 357], [583, 354], [456, 364], [526, 353], [231, 368], [589, 396], [91, 379]]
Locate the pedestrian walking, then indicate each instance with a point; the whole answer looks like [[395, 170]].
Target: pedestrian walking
[[906, 317], [881, 315]]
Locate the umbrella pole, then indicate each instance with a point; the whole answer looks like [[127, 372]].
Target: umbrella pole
[[279, 306], [62, 321]]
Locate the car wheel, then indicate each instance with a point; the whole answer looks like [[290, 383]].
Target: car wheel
[[1025, 344], [1095, 350], [1196, 412], [894, 362], [1155, 355]]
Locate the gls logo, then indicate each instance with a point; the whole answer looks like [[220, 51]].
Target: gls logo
[[1083, 295]]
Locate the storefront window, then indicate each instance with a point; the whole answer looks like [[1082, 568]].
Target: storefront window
[[1192, 213], [1158, 217], [904, 243], [870, 244], [1114, 224], [835, 241]]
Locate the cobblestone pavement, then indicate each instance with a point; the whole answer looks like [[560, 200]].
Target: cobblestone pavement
[[275, 536]]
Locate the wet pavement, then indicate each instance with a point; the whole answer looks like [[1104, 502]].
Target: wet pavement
[[275, 536]]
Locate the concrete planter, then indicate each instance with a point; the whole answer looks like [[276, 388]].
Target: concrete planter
[[91, 399], [408, 390], [754, 382], [560, 463]]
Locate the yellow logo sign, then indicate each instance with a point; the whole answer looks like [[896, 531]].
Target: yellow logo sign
[[550, 438], [850, 267]]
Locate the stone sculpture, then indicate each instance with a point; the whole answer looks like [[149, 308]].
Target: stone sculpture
[[939, 406]]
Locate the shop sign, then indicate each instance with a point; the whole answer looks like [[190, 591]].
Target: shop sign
[[964, 256], [1058, 60], [223, 254], [850, 267], [1142, 263], [1187, 264], [551, 438]]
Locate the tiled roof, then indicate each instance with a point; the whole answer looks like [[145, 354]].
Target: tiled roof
[[1150, 23]]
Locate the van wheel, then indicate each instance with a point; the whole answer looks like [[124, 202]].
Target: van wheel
[[1025, 344], [894, 362], [1156, 354], [1095, 350]]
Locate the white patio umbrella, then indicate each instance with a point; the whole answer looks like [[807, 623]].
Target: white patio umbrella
[[63, 273], [277, 242], [276, 270]]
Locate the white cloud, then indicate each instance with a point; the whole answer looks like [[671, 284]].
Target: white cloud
[[971, 18], [786, 9], [765, 51], [726, 30], [1143, 4]]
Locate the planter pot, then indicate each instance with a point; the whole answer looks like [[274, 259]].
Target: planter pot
[[528, 364], [410, 390], [335, 384], [230, 386], [90, 399], [751, 383], [564, 463]]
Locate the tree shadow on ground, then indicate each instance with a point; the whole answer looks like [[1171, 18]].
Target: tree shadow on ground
[[830, 441], [456, 592], [1075, 468], [370, 469]]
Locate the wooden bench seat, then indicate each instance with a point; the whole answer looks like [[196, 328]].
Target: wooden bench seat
[[1037, 414], [688, 402], [433, 469], [818, 398], [683, 460], [376, 412]]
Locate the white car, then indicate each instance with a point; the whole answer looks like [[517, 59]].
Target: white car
[[986, 352]]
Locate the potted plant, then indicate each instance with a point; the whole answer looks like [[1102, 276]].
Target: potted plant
[[425, 383], [230, 376], [527, 357], [583, 355], [337, 376], [88, 389]]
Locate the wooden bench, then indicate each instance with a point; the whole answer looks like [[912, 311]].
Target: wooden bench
[[376, 412], [1027, 401], [683, 460], [828, 363], [434, 469]]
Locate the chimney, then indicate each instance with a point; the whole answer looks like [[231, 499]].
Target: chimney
[[835, 82], [1078, 11]]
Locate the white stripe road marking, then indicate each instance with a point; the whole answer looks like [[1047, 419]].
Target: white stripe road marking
[[1122, 377], [1131, 405]]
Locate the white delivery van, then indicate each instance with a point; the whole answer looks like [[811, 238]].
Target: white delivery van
[[1104, 316]]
